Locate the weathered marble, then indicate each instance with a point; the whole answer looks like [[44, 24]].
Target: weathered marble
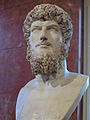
[[51, 100], [55, 92]]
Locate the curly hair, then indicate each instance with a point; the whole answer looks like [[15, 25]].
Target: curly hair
[[46, 12], [49, 12]]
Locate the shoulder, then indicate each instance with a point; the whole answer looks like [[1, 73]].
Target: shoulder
[[79, 75], [23, 93], [80, 78]]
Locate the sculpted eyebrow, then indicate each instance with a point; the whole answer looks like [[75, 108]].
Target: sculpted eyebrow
[[35, 27], [53, 26]]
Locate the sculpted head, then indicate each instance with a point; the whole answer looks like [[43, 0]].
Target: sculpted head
[[48, 31]]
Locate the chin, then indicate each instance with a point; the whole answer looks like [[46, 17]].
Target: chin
[[44, 51]]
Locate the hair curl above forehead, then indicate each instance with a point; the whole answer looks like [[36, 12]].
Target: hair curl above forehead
[[46, 12]]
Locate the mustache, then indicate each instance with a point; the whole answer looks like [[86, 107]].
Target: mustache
[[43, 43]]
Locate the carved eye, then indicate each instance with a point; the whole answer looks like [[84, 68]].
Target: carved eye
[[53, 29], [36, 29]]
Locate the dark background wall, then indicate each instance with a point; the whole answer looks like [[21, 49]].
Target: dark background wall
[[15, 71]]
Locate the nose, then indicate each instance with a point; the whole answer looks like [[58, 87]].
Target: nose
[[43, 34], [43, 38]]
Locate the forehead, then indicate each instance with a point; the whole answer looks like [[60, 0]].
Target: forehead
[[44, 23]]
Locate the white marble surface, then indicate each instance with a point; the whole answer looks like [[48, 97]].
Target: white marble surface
[[52, 100]]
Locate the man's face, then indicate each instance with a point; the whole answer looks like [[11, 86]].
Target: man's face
[[45, 38]]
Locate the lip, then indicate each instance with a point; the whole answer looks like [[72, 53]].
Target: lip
[[43, 46]]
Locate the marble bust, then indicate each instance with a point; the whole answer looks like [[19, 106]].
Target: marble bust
[[55, 92]]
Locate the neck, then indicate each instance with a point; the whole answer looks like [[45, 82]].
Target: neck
[[62, 71]]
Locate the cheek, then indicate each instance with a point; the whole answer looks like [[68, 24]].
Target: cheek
[[34, 40], [35, 36], [55, 41], [55, 37]]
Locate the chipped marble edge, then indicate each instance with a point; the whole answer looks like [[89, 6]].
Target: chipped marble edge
[[77, 101]]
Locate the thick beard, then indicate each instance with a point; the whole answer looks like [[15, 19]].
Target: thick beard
[[44, 64], [47, 63]]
